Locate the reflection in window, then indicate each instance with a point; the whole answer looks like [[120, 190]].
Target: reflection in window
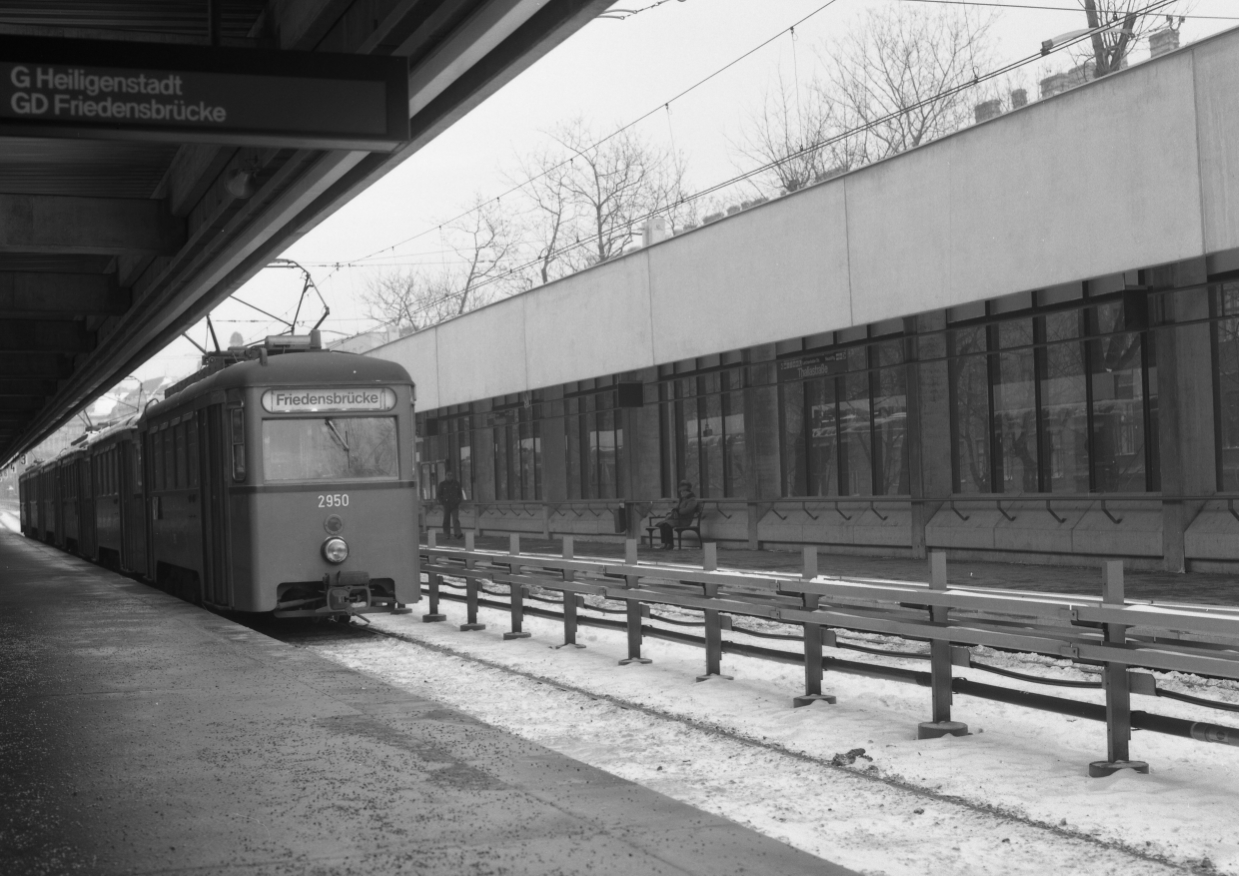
[[329, 448], [594, 439], [1226, 398], [846, 433], [518, 452], [1059, 403], [703, 433]]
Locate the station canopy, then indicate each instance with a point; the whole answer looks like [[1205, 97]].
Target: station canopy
[[156, 154]]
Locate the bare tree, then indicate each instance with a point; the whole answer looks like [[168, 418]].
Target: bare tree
[[899, 73], [885, 86], [414, 299], [407, 300], [591, 199], [1128, 20], [790, 134]]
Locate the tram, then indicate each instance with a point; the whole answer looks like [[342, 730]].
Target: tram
[[283, 483]]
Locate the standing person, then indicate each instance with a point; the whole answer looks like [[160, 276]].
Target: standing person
[[681, 516], [450, 495]]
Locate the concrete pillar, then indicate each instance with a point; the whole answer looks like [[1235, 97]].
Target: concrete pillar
[[554, 454], [643, 437], [761, 427], [1185, 415], [483, 452], [929, 424]]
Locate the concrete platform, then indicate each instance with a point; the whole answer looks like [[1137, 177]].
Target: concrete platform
[[142, 735]]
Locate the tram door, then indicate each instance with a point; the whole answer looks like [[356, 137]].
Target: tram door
[[215, 534]]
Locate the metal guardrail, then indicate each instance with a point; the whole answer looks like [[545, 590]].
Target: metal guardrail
[[1120, 636]]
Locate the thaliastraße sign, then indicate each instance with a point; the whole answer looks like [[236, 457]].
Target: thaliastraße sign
[[116, 90]]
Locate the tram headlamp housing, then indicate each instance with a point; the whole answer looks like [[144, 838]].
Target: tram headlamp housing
[[335, 550]]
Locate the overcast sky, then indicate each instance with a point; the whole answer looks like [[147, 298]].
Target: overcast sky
[[609, 73]]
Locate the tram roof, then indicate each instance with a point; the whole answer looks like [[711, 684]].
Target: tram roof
[[315, 368], [114, 242]]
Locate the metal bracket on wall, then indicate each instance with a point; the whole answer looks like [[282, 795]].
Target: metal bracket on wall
[[964, 517], [839, 511], [718, 506], [1106, 511], [877, 513], [805, 507], [775, 512], [1052, 514], [1230, 503], [1010, 517]]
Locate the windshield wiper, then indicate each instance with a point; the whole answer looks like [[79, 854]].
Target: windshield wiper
[[338, 436]]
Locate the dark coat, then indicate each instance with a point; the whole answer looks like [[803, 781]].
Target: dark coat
[[449, 492]]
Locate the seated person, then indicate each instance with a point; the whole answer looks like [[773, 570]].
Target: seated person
[[681, 516]]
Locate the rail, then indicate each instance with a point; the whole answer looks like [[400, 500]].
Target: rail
[[1125, 639]]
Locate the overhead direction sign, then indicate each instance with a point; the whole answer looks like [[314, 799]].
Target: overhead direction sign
[[184, 94]]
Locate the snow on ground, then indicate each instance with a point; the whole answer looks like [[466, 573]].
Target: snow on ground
[[1013, 798]]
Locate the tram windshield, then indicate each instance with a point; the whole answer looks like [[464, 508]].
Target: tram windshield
[[330, 448]]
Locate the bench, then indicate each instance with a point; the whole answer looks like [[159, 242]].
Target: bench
[[693, 526]]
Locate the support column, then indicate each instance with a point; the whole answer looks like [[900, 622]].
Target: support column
[[1185, 408], [929, 423]]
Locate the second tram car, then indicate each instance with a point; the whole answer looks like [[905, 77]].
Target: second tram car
[[284, 483]]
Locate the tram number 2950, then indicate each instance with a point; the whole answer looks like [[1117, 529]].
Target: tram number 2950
[[333, 500]]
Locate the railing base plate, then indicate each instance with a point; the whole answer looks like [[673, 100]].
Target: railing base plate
[[710, 675], [432, 618], [936, 730], [507, 637], [628, 660], [1099, 769], [810, 699], [566, 645], [464, 628]]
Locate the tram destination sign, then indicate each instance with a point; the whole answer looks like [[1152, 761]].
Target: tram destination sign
[[183, 94], [303, 400]]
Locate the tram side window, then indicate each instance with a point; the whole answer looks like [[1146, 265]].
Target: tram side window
[[157, 453], [182, 467], [191, 450], [237, 423]]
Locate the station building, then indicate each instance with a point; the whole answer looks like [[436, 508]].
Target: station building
[[1018, 342]]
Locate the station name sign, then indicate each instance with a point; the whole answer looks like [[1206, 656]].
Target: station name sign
[[116, 90], [319, 401], [817, 365]]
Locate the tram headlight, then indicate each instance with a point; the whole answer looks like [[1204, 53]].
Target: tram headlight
[[335, 550]]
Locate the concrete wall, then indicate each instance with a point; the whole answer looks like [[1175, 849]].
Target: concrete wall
[[1136, 170]]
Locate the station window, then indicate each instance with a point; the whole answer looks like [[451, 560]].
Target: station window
[[1063, 402], [702, 433], [844, 422], [1226, 387], [518, 452], [450, 445], [594, 445]]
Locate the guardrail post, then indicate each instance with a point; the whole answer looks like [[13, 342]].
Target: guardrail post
[[470, 541], [716, 622], [814, 638], [567, 540], [940, 663], [517, 594], [432, 538], [1115, 681], [709, 560], [471, 599], [636, 611], [434, 614], [810, 563], [514, 544], [630, 552]]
